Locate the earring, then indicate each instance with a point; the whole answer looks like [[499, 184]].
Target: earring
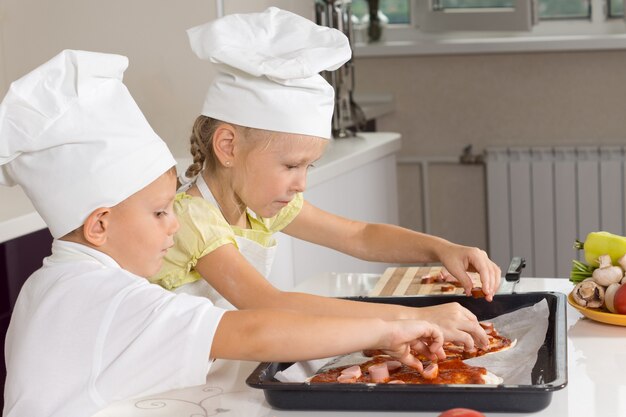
[[227, 163]]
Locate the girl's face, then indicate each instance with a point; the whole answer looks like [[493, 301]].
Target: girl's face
[[275, 170]]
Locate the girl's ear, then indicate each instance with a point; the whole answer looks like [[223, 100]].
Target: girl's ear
[[96, 226], [224, 144]]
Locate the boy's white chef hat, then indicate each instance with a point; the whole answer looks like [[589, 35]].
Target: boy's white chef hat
[[269, 66], [75, 140]]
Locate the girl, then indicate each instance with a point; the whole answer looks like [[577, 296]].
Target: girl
[[265, 121]]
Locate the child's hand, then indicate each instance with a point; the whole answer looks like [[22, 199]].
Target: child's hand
[[458, 260], [420, 336], [457, 323]]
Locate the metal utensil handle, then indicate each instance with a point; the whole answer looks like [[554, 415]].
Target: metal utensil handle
[[514, 271]]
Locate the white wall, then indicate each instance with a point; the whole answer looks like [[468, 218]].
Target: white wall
[[164, 76], [446, 102]]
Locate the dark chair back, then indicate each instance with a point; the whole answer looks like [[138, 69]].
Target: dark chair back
[[19, 258]]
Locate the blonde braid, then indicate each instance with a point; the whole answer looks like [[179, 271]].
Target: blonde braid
[[201, 141]]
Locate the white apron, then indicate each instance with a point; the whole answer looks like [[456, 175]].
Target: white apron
[[259, 256]]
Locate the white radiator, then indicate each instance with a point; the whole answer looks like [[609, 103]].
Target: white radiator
[[541, 199]]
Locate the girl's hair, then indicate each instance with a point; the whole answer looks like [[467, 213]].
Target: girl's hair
[[202, 145], [201, 141]]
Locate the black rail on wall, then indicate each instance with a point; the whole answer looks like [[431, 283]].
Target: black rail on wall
[[19, 258]]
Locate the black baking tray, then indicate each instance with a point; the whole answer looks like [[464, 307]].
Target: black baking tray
[[549, 372]]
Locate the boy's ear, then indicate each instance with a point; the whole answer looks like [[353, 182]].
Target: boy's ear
[[96, 226], [224, 143]]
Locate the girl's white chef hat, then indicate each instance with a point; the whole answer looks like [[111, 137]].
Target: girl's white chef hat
[[75, 140], [269, 65]]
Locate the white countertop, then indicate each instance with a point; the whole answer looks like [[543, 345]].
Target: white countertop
[[596, 370], [18, 216]]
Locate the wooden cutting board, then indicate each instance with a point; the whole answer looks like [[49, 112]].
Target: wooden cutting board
[[400, 281]]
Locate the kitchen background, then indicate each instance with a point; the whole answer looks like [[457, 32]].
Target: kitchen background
[[442, 103]]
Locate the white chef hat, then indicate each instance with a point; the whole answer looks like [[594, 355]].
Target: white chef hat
[[75, 140], [269, 66]]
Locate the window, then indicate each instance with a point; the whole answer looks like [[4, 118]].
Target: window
[[564, 9], [616, 8], [460, 26], [475, 15], [399, 11], [394, 11]]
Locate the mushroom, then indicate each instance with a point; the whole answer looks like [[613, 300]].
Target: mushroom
[[607, 274], [622, 262], [609, 296], [588, 294]]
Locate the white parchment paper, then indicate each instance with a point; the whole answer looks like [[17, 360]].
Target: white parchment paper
[[528, 326]]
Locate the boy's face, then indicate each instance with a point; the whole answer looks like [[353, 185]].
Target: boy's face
[[141, 228], [276, 172]]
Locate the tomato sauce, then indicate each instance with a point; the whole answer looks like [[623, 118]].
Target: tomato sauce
[[452, 371]]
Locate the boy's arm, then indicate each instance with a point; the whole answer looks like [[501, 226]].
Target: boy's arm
[[393, 244], [285, 336]]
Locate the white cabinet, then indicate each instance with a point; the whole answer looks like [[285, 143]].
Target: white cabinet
[[356, 178]]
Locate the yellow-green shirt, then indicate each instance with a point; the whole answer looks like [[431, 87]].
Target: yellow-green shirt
[[203, 229]]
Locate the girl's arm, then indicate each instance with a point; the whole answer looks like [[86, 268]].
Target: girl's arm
[[226, 270], [393, 244], [286, 336]]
